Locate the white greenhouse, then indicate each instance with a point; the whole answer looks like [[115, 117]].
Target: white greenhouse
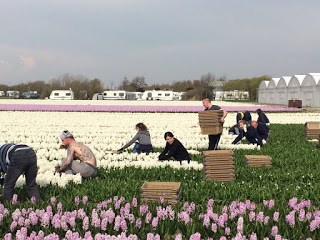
[[305, 88], [282, 90], [310, 94], [294, 87], [262, 93], [272, 91]]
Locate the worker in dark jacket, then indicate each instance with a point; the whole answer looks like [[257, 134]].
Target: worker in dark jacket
[[262, 130], [256, 132], [241, 131], [174, 148], [246, 116], [15, 160], [262, 117], [213, 138]]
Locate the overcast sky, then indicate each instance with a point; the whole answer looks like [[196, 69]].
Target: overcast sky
[[162, 40]]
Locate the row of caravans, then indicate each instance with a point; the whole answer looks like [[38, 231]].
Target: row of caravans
[[121, 95], [158, 95]]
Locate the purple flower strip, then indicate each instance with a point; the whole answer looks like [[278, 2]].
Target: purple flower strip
[[132, 108]]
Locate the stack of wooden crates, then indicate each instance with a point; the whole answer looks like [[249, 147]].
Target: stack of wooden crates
[[258, 160], [210, 123], [154, 191], [312, 129], [219, 165]]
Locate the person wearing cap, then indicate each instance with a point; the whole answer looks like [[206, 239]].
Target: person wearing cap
[[213, 139], [80, 158], [15, 160]]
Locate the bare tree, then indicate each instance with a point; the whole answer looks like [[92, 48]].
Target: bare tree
[[125, 84], [138, 83]]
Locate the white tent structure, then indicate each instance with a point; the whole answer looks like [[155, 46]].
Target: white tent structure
[[272, 91], [294, 87], [310, 94], [262, 93], [317, 102], [282, 90]]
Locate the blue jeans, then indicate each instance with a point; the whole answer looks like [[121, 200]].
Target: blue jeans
[[22, 162], [135, 148], [139, 148]]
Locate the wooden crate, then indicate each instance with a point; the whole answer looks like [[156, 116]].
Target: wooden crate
[[220, 178], [209, 122], [258, 160], [219, 165], [214, 153], [312, 129], [153, 191]]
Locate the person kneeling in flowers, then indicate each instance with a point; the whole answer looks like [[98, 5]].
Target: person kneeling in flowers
[[141, 139], [255, 133], [174, 148], [15, 160], [80, 158]]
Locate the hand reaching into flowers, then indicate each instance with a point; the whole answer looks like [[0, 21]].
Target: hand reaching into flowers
[[57, 169]]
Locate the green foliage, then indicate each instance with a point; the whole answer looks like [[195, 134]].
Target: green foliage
[[294, 173], [245, 84]]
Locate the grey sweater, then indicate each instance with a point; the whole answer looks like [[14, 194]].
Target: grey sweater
[[143, 137]]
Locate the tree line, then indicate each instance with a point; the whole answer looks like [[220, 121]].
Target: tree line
[[84, 88]]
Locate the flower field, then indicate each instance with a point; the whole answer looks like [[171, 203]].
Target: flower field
[[281, 202]]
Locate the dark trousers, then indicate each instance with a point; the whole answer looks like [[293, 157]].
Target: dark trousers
[[213, 141], [22, 162]]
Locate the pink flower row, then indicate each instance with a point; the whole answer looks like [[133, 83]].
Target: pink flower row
[[119, 216], [133, 108]]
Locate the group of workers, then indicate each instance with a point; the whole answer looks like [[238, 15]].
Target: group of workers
[[255, 131], [20, 159], [142, 144]]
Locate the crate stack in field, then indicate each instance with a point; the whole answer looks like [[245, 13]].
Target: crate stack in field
[[258, 160], [210, 123], [154, 191], [312, 129], [218, 165]]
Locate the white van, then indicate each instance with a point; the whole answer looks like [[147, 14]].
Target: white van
[[62, 95]]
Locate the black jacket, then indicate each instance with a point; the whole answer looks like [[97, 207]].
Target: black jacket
[[246, 116], [175, 150], [254, 136], [262, 117]]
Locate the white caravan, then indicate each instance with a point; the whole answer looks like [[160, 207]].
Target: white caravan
[[13, 94], [62, 95], [158, 95], [114, 95]]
